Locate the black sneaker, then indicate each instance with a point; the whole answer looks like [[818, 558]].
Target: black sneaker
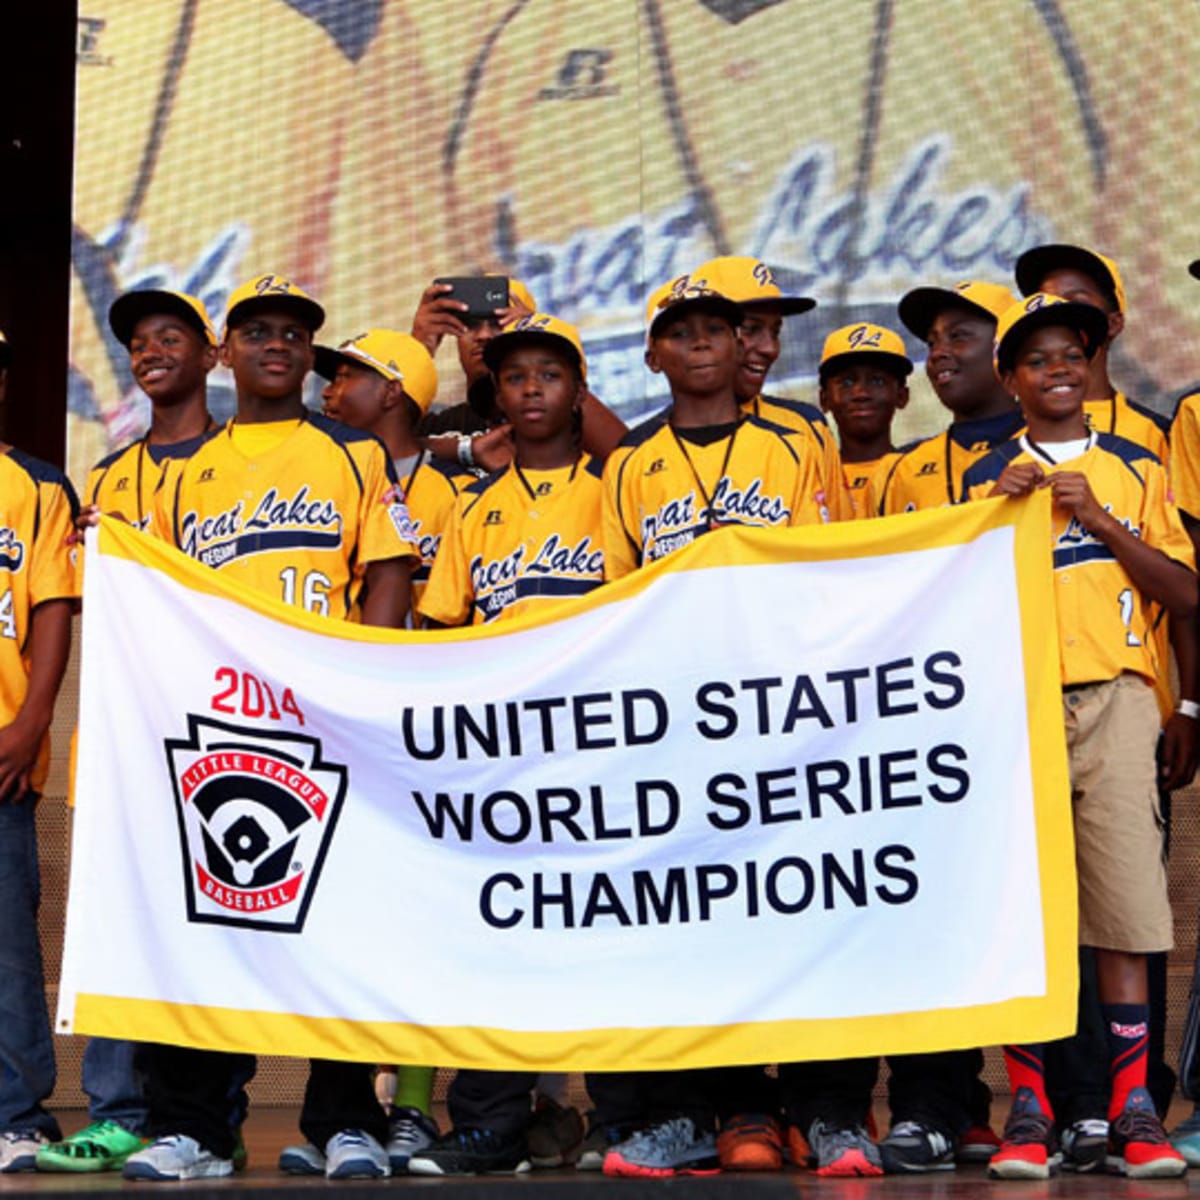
[[601, 1138], [1084, 1145], [912, 1147], [554, 1133], [472, 1152]]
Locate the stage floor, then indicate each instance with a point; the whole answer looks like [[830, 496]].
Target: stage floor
[[269, 1129]]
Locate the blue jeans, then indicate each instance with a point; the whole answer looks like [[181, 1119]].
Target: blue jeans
[[114, 1083], [26, 1052]]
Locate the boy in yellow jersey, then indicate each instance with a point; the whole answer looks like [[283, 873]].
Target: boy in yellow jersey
[[528, 535], [1185, 487], [383, 382], [303, 509], [751, 283], [702, 464], [38, 590], [959, 326], [1083, 275], [172, 347], [520, 539], [1118, 546], [863, 379]]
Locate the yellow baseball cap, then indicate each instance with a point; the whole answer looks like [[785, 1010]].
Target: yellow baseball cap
[[1041, 310], [749, 281], [392, 354], [687, 292], [5, 350], [127, 310], [519, 292], [537, 327], [921, 307], [272, 291], [1034, 265], [863, 340]]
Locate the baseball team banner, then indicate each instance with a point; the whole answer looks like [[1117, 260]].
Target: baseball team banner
[[787, 794]]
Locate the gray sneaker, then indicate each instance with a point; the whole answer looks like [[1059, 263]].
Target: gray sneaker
[[674, 1147], [843, 1150], [409, 1132], [352, 1154], [175, 1157], [302, 1160], [19, 1150]]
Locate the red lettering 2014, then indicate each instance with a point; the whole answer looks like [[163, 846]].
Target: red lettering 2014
[[247, 695]]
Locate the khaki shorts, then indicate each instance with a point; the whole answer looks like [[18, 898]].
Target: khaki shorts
[[1112, 734]]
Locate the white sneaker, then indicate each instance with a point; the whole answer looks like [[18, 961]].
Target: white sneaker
[[352, 1154], [175, 1156], [409, 1132], [18, 1150]]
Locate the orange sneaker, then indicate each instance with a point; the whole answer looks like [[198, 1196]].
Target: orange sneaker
[[751, 1142]]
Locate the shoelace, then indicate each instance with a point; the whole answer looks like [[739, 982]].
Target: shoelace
[[1135, 1126], [1026, 1129]]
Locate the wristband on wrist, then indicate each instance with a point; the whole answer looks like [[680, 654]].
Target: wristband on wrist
[[1188, 708], [466, 455]]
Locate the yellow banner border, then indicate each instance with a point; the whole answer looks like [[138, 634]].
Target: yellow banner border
[[1027, 1018]]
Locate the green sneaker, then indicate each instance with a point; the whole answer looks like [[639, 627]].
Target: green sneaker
[[101, 1146]]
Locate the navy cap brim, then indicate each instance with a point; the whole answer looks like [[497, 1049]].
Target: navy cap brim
[[1034, 265], [309, 311], [922, 306], [891, 362], [789, 306], [505, 343], [1085, 319], [127, 310], [718, 305], [1194, 268]]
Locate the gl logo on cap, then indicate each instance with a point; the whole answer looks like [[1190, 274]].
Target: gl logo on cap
[[863, 337], [272, 283], [762, 274]]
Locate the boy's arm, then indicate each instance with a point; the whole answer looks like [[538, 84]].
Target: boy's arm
[[388, 592], [1181, 734], [49, 644], [1153, 573]]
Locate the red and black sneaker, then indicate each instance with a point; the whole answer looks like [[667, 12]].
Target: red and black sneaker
[[1138, 1144], [1028, 1149]]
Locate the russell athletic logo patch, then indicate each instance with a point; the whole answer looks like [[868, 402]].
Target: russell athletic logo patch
[[257, 811]]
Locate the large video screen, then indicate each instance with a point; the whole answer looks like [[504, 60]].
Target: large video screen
[[595, 148]]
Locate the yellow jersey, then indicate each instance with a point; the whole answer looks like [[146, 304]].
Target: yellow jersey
[[860, 476], [930, 474], [1121, 417], [518, 540], [1184, 462], [807, 418], [37, 515], [302, 520], [1102, 617], [123, 484], [430, 491], [663, 488]]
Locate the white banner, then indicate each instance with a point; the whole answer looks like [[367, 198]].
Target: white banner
[[789, 794]]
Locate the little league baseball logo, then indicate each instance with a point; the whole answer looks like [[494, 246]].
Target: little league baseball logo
[[257, 810]]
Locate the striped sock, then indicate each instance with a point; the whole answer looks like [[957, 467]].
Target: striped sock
[[1027, 1069], [1127, 1029]]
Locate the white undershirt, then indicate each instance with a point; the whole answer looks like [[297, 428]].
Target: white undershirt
[[1058, 452]]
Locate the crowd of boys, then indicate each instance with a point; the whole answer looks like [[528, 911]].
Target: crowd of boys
[[1032, 406]]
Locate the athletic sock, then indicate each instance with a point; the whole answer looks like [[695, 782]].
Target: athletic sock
[[1027, 1069], [1127, 1029], [414, 1088]]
